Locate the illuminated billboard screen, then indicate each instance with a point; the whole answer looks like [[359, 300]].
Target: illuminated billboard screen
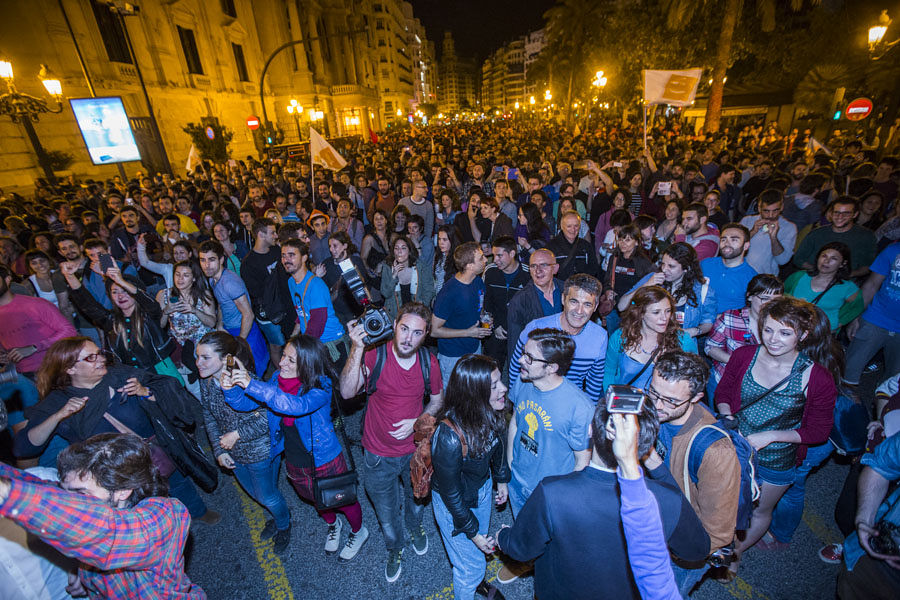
[[105, 129]]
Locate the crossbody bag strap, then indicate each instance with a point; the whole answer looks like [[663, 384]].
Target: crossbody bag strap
[[118, 425], [825, 291], [644, 368], [303, 301], [343, 432], [773, 388], [462, 438]]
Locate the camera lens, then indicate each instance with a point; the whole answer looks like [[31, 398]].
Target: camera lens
[[374, 325]]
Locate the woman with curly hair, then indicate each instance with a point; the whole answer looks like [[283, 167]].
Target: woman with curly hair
[[681, 276], [782, 394], [648, 329]]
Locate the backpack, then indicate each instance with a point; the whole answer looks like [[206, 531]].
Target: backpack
[[424, 356], [272, 306], [746, 455], [420, 467]]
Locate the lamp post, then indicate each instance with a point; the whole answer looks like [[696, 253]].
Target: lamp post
[[877, 49], [25, 108], [296, 110]]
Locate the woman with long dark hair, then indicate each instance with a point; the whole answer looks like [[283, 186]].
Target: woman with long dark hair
[[787, 384], [405, 277], [132, 326], [375, 244], [444, 267], [299, 398], [189, 311], [447, 207], [628, 265], [618, 202], [468, 448], [681, 276], [240, 439], [828, 285], [532, 232], [234, 251], [648, 329]]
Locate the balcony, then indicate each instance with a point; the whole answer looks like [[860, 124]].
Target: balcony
[[347, 89]]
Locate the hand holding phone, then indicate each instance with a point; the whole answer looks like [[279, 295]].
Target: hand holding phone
[[624, 399], [106, 262]]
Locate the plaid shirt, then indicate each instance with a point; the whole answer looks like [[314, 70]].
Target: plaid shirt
[[730, 331], [127, 553]]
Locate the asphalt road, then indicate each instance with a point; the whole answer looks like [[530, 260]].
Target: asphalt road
[[230, 562]]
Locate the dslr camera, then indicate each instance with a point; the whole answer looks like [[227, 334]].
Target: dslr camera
[[377, 324]]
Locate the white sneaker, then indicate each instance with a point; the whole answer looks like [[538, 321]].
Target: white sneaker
[[355, 541], [333, 540]]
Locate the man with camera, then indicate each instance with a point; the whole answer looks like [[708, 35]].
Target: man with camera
[[581, 551], [395, 379], [714, 474], [872, 552]]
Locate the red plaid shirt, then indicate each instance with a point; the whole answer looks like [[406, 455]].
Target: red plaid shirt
[[730, 331], [128, 553]]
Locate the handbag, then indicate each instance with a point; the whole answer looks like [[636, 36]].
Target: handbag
[[849, 432], [158, 456], [334, 491]]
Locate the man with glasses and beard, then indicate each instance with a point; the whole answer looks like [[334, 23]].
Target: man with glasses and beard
[[714, 474]]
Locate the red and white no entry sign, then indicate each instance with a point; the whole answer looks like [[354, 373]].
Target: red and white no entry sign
[[859, 109]]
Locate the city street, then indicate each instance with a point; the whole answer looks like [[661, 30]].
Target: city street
[[229, 561]]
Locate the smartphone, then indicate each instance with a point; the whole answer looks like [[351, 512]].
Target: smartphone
[[664, 188], [624, 399], [106, 262], [514, 173], [174, 296], [617, 164], [129, 201], [230, 363], [498, 169]]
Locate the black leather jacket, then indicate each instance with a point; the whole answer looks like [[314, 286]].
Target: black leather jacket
[[458, 479]]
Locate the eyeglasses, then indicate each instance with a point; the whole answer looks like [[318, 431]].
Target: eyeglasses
[[654, 395], [92, 358], [541, 266], [529, 359]]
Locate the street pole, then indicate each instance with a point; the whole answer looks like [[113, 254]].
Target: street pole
[[43, 159]]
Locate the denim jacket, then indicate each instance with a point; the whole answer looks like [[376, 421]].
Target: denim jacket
[[312, 410], [704, 312]]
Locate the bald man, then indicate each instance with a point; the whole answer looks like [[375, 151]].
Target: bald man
[[541, 297]]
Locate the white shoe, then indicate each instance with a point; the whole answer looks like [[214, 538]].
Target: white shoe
[[333, 540], [355, 541]]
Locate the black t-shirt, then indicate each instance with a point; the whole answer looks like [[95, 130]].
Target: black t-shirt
[[294, 451], [255, 268]]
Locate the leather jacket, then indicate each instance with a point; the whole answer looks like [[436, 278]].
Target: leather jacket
[[458, 479]]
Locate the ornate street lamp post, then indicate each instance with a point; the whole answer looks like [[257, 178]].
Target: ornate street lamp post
[[25, 109]]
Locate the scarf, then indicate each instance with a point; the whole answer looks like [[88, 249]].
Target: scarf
[[289, 385]]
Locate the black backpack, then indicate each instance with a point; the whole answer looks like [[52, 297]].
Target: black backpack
[[272, 306], [381, 355]]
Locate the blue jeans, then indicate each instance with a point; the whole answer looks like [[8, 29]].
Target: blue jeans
[[789, 510], [866, 343], [517, 497], [182, 488], [18, 395], [468, 561], [260, 481], [686, 579], [388, 487], [447, 363], [272, 332]]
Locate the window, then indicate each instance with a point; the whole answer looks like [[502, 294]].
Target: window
[[112, 33], [228, 8], [189, 46], [239, 61]]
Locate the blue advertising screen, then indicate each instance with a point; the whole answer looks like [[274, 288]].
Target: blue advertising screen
[[105, 129]]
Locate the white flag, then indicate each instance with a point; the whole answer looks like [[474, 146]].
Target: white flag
[[676, 88], [323, 154], [193, 160], [815, 145]]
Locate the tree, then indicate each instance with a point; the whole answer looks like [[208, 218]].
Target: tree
[[680, 12], [571, 29], [215, 149]]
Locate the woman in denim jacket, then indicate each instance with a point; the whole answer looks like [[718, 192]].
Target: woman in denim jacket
[[298, 397]]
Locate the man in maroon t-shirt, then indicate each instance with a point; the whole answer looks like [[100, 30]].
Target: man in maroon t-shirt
[[388, 429]]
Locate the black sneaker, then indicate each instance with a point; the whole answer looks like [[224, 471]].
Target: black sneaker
[[393, 568], [489, 591], [281, 540], [269, 530], [419, 540]]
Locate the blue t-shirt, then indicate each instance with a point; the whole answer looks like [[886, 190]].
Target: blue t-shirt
[[551, 426], [883, 309], [730, 284], [317, 296], [586, 370], [664, 437], [229, 288], [459, 304]]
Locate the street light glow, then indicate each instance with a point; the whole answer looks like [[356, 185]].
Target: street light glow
[[6, 70], [547, 95], [531, 100], [876, 33]]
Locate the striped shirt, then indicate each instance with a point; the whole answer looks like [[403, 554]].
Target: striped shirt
[[132, 553], [586, 371]]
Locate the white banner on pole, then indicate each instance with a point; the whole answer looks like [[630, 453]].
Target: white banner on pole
[[676, 88]]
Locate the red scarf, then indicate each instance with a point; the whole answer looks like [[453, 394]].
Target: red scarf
[[289, 385]]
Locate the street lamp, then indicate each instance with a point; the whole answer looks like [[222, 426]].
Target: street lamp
[[25, 108], [877, 46], [547, 95], [531, 100], [296, 110], [599, 80]]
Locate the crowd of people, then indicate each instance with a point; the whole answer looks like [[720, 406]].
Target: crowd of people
[[739, 282]]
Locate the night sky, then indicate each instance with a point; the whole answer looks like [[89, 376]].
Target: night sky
[[479, 26]]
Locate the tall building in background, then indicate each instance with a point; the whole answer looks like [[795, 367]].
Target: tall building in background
[[503, 77], [534, 44], [459, 80], [354, 64]]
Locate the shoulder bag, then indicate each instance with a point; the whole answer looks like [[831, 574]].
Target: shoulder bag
[[334, 491]]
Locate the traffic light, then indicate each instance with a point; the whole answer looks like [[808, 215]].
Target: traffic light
[[269, 139], [837, 115]]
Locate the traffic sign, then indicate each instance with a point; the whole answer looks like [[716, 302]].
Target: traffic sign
[[859, 109], [253, 122]]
